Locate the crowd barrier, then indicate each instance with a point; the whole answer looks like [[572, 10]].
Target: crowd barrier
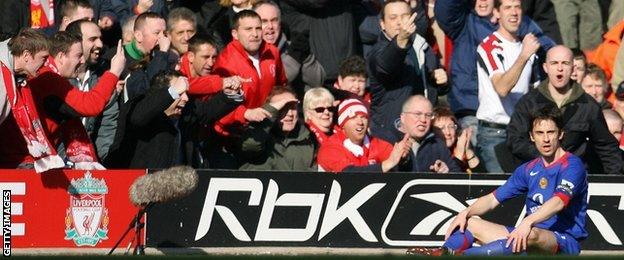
[[280, 209], [66, 209], [86, 209]]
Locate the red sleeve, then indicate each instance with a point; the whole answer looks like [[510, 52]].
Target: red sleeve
[[332, 159], [564, 197], [205, 85], [383, 150], [90, 103]]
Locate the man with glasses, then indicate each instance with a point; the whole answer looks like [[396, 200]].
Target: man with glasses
[[428, 152]]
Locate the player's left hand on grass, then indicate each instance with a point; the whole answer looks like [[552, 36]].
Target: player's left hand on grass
[[518, 238]]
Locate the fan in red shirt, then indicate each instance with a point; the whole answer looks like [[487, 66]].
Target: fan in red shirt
[[352, 149], [197, 64], [258, 63], [52, 108]]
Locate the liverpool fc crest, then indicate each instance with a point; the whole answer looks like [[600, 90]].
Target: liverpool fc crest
[[86, 221]]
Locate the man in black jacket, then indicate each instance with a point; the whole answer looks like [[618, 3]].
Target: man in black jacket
[[148, 135], [401, 64], [586, 133], [147, 54]]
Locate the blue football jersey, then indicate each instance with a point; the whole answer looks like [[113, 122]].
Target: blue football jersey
[[566, 179]]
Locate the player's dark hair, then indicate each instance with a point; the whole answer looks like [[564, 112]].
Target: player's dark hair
[[549, 112]]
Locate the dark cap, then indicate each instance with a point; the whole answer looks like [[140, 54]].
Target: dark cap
[[619, 92]]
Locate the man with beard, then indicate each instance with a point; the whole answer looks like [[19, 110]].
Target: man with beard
[[586, 132], [57, 104], [101, 128]]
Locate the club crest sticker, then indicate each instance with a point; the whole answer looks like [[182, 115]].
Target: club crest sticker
[[86, 221]]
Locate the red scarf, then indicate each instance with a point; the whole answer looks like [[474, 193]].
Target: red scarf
[[321, 136], [78, 146], [27, 118]]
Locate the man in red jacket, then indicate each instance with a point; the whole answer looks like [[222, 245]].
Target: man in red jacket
[[249, 57], [197, 65], [47, 108], [353, 149]]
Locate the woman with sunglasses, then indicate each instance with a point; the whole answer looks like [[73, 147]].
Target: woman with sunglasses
[[318, 113], [445, 124]]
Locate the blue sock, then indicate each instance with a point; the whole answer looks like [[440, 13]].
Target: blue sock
[[459, 241], [493, 248]]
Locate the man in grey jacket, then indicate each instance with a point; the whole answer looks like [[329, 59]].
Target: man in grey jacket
[[102, 128]]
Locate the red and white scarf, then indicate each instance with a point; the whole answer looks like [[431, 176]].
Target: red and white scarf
[[79, 148], [27, 118], [321, 136]]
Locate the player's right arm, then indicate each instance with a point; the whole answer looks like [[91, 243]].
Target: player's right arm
[[481, 206]]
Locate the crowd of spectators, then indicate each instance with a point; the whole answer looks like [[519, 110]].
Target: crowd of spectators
[[300, 85]]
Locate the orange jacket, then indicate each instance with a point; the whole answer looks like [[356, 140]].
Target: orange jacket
[[604, 54]]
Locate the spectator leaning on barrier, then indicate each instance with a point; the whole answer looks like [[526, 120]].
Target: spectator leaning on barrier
[[302, 69], [595, 84], [21, 57], [102, 127], [280, 142], [504, 68], [583, 123], [428, 151], [467, 25], [147, 135], [352, 149], [318, 113], [49, 102], [445, 125], [399, 65]]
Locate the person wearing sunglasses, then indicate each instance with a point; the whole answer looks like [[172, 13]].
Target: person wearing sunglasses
[[352, 149], [318, 113]]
